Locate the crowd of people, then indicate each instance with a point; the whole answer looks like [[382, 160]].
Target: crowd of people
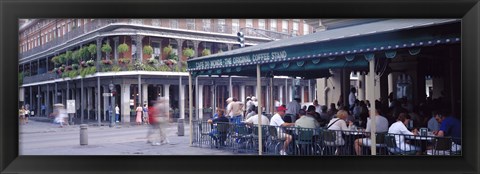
[[393, 116]]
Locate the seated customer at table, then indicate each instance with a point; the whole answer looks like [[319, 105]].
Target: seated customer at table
[[220, 119], [307, 119], [381, 127], [399, 129], [254, 119], [339, 124], [278, 121], [450, 127]]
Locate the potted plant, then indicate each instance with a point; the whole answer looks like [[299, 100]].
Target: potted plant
[[167, 50], [148, 50], [91, 63], [188, 52], [206, 52], [107, 62], [122, 48], [106, 48], [92, 49]]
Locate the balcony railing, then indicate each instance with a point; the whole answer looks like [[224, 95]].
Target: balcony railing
[[39, 78]]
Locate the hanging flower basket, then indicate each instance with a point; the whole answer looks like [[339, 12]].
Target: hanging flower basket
[[91, 63], [107, 62]]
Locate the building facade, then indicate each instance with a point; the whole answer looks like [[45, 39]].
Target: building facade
[[78, 59]]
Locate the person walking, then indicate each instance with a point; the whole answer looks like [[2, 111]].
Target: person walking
[[153, 126], [139, 111], [117, 113], [145, 114], [162, 109], [21, 115]]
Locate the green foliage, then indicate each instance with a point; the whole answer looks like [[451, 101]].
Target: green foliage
[[88, 71], [84, 53], [139, 66], [164, 68], [116, 68], [70, 74], [130, 67], [106, 48], [184, 69], [173, 56], [55, 60], [65, 57], [122, 48], [20, 79], [148, 50], [152, 61], [92, 49], [124, 61], [167, 49], [150, 68], [76, 56], [206, 52], [188, 52]]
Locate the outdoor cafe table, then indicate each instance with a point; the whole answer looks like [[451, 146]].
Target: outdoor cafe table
[[423, 140]]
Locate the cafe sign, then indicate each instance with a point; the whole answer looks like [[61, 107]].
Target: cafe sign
[[241, 59]]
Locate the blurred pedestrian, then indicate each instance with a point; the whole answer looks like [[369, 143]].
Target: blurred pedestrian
[[117, 113], [60, 114], [21, 115], [139, 111], [154, 125], [162, 117]]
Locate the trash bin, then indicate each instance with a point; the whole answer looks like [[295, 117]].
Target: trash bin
[[181, 128], [84, 134]]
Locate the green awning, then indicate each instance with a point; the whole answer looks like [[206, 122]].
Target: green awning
[[311, 56]]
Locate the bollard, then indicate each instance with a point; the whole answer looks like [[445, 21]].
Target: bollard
[[181, 127], [84, 134]]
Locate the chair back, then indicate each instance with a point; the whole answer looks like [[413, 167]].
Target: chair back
[[272, 130], [222, 127], [390, 141], [329, 136], [305, 135], [380, 137], [242, 129], [255, 130], [442, 143]]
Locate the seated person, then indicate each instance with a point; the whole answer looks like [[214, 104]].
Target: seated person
[[307, 119], [450, 127], [219, 119], [339, 124], [254, 119], [399, 129], [278, 122], [381, 127]]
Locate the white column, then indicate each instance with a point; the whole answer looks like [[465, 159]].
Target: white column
[[321, 91], [125, 103], [145, 94], [106, 100], [230, 87], [89, 101], [286, 92], [310, 96], [280, 94], [302, 95], [259, 90], [290, 94], [361, 87], [190, 106], [242, 93], [200, 102], [166, 93], [182, 101], [390, 83], [371, 85]]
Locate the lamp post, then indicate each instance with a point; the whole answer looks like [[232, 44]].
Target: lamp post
[[112, 111]]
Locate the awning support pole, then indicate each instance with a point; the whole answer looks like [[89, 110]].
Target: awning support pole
[[259, 88], [190, 105], [371, 94]]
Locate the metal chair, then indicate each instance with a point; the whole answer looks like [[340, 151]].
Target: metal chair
[[441, 146], [204, 132], [221, 134], [273, 142], [392, 146], [304, 138], [256, 136], [329, 145], [241, 137]]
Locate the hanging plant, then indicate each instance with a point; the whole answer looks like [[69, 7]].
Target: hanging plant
[[106, 48], [147, 50], [92, 49], [107, 62], [91, 63], [173, 56], [66, 57], [167, 50], [55, 60], [75, 66], [122, 48], [84, 53], [206, 52], [188, 52], [76, 56]]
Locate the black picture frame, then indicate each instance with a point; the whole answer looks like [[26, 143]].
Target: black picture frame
[[11, 11]]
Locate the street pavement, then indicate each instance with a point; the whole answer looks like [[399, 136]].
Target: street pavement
[[44, 138]]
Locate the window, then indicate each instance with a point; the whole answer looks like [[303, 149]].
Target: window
[[249, 23], [285, 26], [156, 22], [191, 24], [207, 23], [235, 26], [261, 24], [295, 28], [38, 41], [173, 23], [221, 25], [68, 26], [58, 30], [273, 24], [306, 29]]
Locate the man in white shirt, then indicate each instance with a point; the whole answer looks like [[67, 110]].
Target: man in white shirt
[[381, 127], [254, 119], [277, 121], [234, 110]]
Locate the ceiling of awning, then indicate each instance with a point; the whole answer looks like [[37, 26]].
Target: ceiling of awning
[[311, 56]]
